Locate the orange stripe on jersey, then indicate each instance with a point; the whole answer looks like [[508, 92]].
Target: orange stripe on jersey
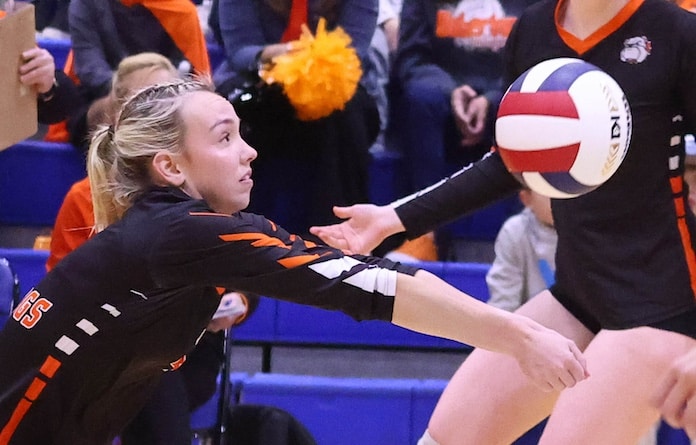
[[35, 389], [259, 239], [677, 185], [296, 261], [581, 46], [263, 240], [50, 366], [11, 426]]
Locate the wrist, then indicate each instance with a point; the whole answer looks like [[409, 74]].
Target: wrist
[[48, 95]]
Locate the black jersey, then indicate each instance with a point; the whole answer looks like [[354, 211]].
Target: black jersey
[[625, 254], [85, 347]]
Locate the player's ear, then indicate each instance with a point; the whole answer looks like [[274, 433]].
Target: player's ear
[[166, 171]]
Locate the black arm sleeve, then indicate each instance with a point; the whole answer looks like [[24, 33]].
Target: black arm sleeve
[[467, 190], [66, 100]]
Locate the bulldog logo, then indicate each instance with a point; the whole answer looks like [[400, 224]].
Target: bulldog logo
[[636, 50]]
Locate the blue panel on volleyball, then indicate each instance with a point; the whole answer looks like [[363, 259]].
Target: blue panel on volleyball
[[28, 264], [339, 411], [34, 178]]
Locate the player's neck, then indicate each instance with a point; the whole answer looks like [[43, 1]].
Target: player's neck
[[583, 17]]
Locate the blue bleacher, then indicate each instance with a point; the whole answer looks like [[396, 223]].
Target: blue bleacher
[[34, 178], [59, 49], [339, 411]]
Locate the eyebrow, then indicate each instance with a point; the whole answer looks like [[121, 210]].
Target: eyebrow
[[228, 120]]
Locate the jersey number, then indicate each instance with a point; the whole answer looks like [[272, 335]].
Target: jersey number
[[31, 309]]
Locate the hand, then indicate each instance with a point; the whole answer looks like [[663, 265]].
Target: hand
[[38, 70], [365, 227], [232, 310], [470, 113], [550, 360], [675, 394], [220, 324]]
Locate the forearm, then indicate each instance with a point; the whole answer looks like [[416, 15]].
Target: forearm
[[426, 304], [467, 190]]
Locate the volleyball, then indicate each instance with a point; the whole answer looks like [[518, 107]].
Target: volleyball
[[563, 127]]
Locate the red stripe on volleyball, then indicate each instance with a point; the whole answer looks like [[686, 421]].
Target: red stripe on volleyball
[[559, 159], [548, 103]]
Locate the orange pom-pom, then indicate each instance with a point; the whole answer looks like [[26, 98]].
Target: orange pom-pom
[[320, 74]]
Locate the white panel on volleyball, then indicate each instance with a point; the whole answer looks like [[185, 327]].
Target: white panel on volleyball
[[533, 132]]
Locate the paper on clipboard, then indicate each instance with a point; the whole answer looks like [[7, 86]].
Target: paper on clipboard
[[18, 118]]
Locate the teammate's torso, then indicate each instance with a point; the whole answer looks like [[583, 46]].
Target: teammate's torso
[[629, 244]]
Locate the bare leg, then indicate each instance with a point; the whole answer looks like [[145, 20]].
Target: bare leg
[[489, 400], [612, 406]]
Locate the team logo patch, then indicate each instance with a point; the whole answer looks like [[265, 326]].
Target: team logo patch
[[636, 50]]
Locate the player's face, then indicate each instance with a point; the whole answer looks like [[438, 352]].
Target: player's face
[[216, 161]]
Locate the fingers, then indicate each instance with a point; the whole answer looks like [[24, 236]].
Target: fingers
[[39, 69]]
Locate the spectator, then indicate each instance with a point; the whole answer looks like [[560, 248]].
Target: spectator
[[103, 33], [304, 167], [525, 251], [447, 81], [380, 59]]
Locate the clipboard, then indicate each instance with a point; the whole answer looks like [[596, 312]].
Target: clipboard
[[18, 115]]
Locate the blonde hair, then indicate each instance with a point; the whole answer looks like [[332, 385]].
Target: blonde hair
[[143, 61], [120, 155]]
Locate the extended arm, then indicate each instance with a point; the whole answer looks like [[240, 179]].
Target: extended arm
[[467, 190]]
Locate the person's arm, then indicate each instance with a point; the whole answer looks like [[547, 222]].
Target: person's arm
[[250, 254], [243, 35], [57, 95], [465, 191], [414, 54], [358, 18], [60, 103], [90, 61], [426, 304]]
